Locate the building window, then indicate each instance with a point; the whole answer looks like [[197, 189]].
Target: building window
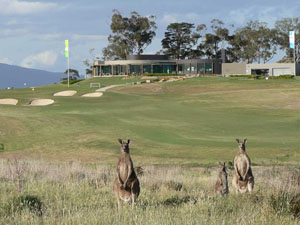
[[187, 68], [106, 70], [157, 68], [146, 68], [208, 68], [201, 68], [169, 68], [116, 70], [180, 68], [135, 69], [123, 70]]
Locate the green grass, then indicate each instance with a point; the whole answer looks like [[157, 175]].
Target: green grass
[[191, 122]]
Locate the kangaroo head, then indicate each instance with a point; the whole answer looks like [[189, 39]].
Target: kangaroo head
[[242, 144], [124, 145]]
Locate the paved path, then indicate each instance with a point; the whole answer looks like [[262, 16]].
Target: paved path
[[109, 87]]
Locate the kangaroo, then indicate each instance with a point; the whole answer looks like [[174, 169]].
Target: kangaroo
[[126, 185], [221, 186], [243, 178]]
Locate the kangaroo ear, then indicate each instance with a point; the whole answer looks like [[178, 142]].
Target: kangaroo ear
[[120, 141], [245, 140], [237, 140], [220, 164], [224, 164], [128, 141]]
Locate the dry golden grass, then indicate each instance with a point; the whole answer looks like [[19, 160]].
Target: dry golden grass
[[38, 192]]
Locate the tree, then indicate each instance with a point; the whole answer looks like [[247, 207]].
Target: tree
[[74, 74], [179, 40], [254, 42], [130, 35], [283, 27], [89, 62], [216, 40]]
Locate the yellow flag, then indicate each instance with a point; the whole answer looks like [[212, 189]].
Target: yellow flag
[[66, 48]]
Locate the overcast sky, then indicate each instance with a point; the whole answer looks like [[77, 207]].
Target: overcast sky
[[32, 32]]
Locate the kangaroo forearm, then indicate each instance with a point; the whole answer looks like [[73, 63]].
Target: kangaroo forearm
[[129, 174], [119, 178]]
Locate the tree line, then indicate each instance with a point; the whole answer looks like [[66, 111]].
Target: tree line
[[255, 42]]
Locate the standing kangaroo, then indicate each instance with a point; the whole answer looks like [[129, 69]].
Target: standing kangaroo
[[243, 179], [221, 186], [126, 185]]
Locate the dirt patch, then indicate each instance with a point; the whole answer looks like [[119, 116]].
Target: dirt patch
[[295, 105], [141, 89], [65, 93], [8, 101], [41, 102], [93, 95]]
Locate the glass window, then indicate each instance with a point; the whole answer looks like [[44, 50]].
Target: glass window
[[157, 68], [116, 70], [208, 68], [201, 68], [187, 67], [135, 69], [123, 70], [180, 68], [106, 70], [169, 68], [194, 68], [146, 68]]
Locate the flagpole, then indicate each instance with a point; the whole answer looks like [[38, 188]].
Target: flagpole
[[69, 71]]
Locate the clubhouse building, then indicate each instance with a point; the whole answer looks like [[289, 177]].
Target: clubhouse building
[[152, 64], [143, 64]]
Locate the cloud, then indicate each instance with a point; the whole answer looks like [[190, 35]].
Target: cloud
[[192, 16], [88, 37], [46, 58], [19, 7], [12, 32], [6, 61], [11, 22], [169, 18], [269, 14], [48, 37]]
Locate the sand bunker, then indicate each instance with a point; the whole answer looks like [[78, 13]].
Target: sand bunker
[[65, 93], [93, 95], [41, 102], [8, 101]]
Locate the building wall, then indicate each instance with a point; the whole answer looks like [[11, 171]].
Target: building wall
[[233, 68], [270, 67], [243, 68]]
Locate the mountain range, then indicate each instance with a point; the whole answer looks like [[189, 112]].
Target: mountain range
[[19, 77]]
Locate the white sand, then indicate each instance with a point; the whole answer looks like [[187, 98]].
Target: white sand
[[109, 87], [93, 95], [41, 102], [8, 101], [65, 93]]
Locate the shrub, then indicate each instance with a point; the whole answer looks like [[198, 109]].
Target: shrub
[[248, 76], [33, 203], [176, 201], [71, 81], [172, 185], [281, 77], [162, 74], [286, 203]]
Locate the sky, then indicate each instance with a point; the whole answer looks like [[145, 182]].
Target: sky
[[32, 32]]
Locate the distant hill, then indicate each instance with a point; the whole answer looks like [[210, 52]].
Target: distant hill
[[16, 76]]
